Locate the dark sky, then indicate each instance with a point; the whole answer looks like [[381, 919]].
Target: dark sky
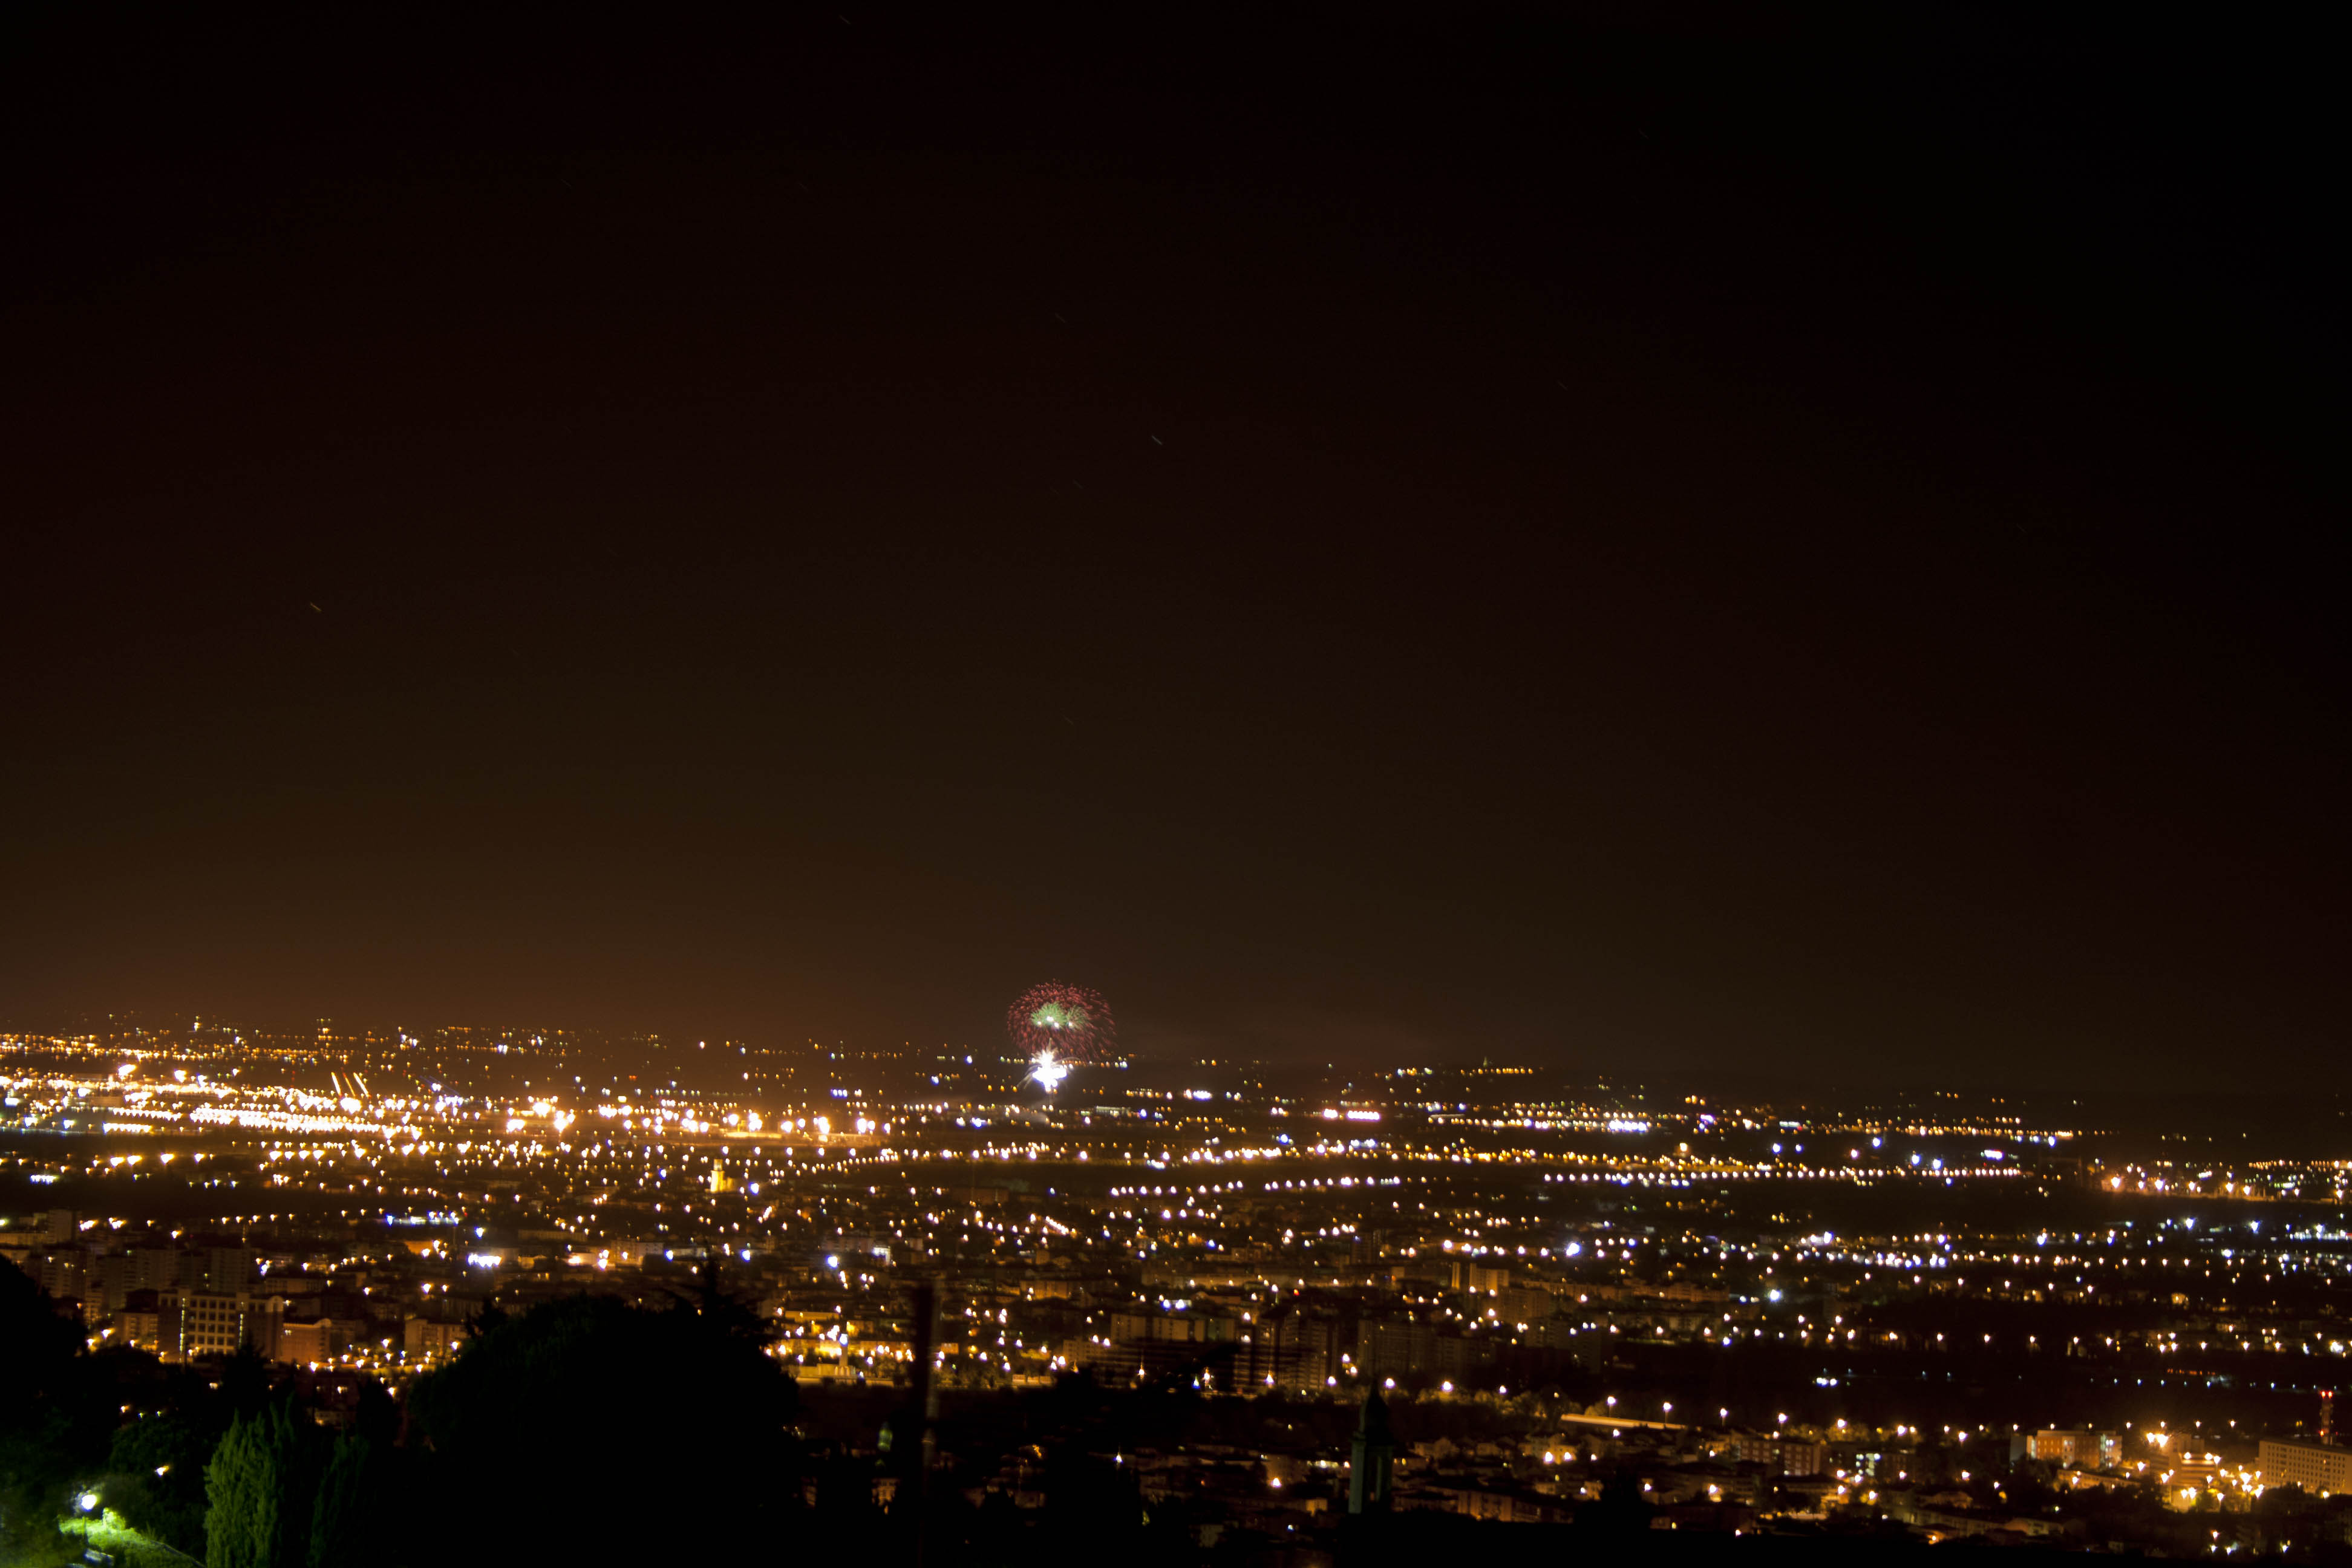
[[1625, 537]]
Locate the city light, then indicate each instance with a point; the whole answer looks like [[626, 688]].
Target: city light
[[828, 1181]]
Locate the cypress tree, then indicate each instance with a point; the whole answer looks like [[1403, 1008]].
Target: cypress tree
[[242, 1518], [343, 1527], [261, 1484]]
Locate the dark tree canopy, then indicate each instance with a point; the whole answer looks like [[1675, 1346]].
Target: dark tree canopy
[[155, 1478], [657, 1432], [37, 1378], [351, 1523], [261, 1481]]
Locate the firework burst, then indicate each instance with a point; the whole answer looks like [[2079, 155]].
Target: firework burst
[[1058, 1026]]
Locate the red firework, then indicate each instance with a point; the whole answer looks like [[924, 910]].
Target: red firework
[[1062, 1023]]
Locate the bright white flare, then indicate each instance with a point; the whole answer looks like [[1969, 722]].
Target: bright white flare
[[1049, 1072]]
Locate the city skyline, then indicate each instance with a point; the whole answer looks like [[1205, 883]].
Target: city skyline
[[1327, 788], [1546, 1301]]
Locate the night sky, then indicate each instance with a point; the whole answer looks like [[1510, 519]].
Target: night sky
[[1634, 540]]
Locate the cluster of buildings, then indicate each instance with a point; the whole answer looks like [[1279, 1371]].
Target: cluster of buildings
[[1730, 1313], [188, 1301]]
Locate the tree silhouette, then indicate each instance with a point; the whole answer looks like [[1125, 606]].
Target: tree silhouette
[[1620, 1510], [38, 1347], [262, 1481], [157, 1467], [352, 1521], [723, 1309], [660, 1428]]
